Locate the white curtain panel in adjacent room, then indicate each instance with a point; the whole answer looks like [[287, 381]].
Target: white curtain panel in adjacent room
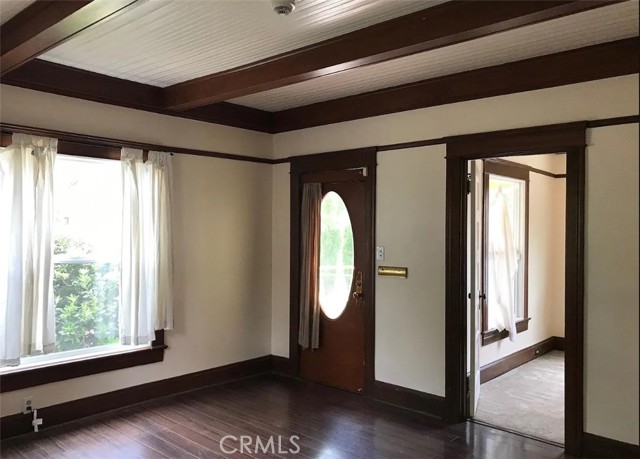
[[146, 263], [502, 266], [26, 272]]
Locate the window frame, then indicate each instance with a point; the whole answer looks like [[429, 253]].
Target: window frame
[[53, 372], [504, 170]]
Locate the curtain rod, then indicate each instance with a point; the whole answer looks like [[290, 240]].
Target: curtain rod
[[75, 142]]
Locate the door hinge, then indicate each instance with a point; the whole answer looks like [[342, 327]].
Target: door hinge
[[468, 183]]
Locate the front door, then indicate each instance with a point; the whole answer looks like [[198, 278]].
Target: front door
[[342, 276]]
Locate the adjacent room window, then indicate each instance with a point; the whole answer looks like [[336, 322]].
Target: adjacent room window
[[505, 251]]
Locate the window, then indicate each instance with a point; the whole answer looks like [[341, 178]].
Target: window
[[85, 262], [505, 250], [336, 255], [86, 256]]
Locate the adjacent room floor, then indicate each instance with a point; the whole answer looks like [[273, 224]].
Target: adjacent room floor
[[528, 399], [329, 424]]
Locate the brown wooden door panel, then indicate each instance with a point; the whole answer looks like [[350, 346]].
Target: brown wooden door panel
[[340, 360]]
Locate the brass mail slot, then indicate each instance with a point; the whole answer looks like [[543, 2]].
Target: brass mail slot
[[393, 271]]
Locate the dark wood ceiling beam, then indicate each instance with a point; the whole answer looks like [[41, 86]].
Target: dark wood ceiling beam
[[584, 64], [47, 23], [59, 79], [436, 27]]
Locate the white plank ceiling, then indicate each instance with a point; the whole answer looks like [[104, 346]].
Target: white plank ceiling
[[9, 8], [589, 28], [165, 42]]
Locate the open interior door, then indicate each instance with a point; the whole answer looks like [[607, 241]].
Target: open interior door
[[475, 281]]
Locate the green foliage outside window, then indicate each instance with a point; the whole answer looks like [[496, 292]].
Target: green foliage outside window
[[86, 300]]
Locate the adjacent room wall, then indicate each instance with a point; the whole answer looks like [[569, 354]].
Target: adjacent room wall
[[222, 241], [546, 258], [422, 368]]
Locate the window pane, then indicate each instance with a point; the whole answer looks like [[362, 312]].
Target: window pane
[[86, 252], [512, 193], [336, 255]]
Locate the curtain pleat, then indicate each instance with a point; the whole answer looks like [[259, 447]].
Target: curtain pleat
[[146, 293], [26, 273], [309, 325]]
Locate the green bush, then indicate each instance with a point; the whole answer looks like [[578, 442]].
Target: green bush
[[86, 301]]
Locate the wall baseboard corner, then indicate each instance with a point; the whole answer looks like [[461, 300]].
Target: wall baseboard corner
[[595, 446], [422, 402]]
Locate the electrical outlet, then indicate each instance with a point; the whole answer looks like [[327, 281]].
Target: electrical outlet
[[27, 405], [380, 253]]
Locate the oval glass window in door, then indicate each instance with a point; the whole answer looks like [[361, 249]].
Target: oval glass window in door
[[336, 255]]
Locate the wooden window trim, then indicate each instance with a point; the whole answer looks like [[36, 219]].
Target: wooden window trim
[[511, 171], [85, 367]]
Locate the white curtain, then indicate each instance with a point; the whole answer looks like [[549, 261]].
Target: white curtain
[[502, 267], [146, 293], [26, 269]]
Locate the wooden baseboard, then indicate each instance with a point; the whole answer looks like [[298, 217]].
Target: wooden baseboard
[[18, 424], [511, 361], [281, 365], [595, 446], [432, 405]]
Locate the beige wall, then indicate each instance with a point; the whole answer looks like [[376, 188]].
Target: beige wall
[[398, 361], [222, 245], [410, 222], [546, 258], [611, 319], [280, 262]]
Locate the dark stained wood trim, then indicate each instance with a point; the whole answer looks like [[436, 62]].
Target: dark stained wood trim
[[511, 143], [339, 160], [104, 147], [281, 365], [552, 138], [574, 299], [67, 81], [493, 335], [432, 405], [48, 23], [558, 343], [526, 167], [511, 361], [576, 66], [75, 369], [431, 28], [616, 121], [57, 414], [596, 446]]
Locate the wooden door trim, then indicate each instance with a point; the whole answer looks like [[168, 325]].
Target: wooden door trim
[[333, 161], [570, 139]]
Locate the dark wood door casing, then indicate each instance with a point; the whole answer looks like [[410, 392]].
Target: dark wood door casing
[[569, 138]]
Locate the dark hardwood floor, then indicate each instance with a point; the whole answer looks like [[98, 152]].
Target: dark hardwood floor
[[329, 424]]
